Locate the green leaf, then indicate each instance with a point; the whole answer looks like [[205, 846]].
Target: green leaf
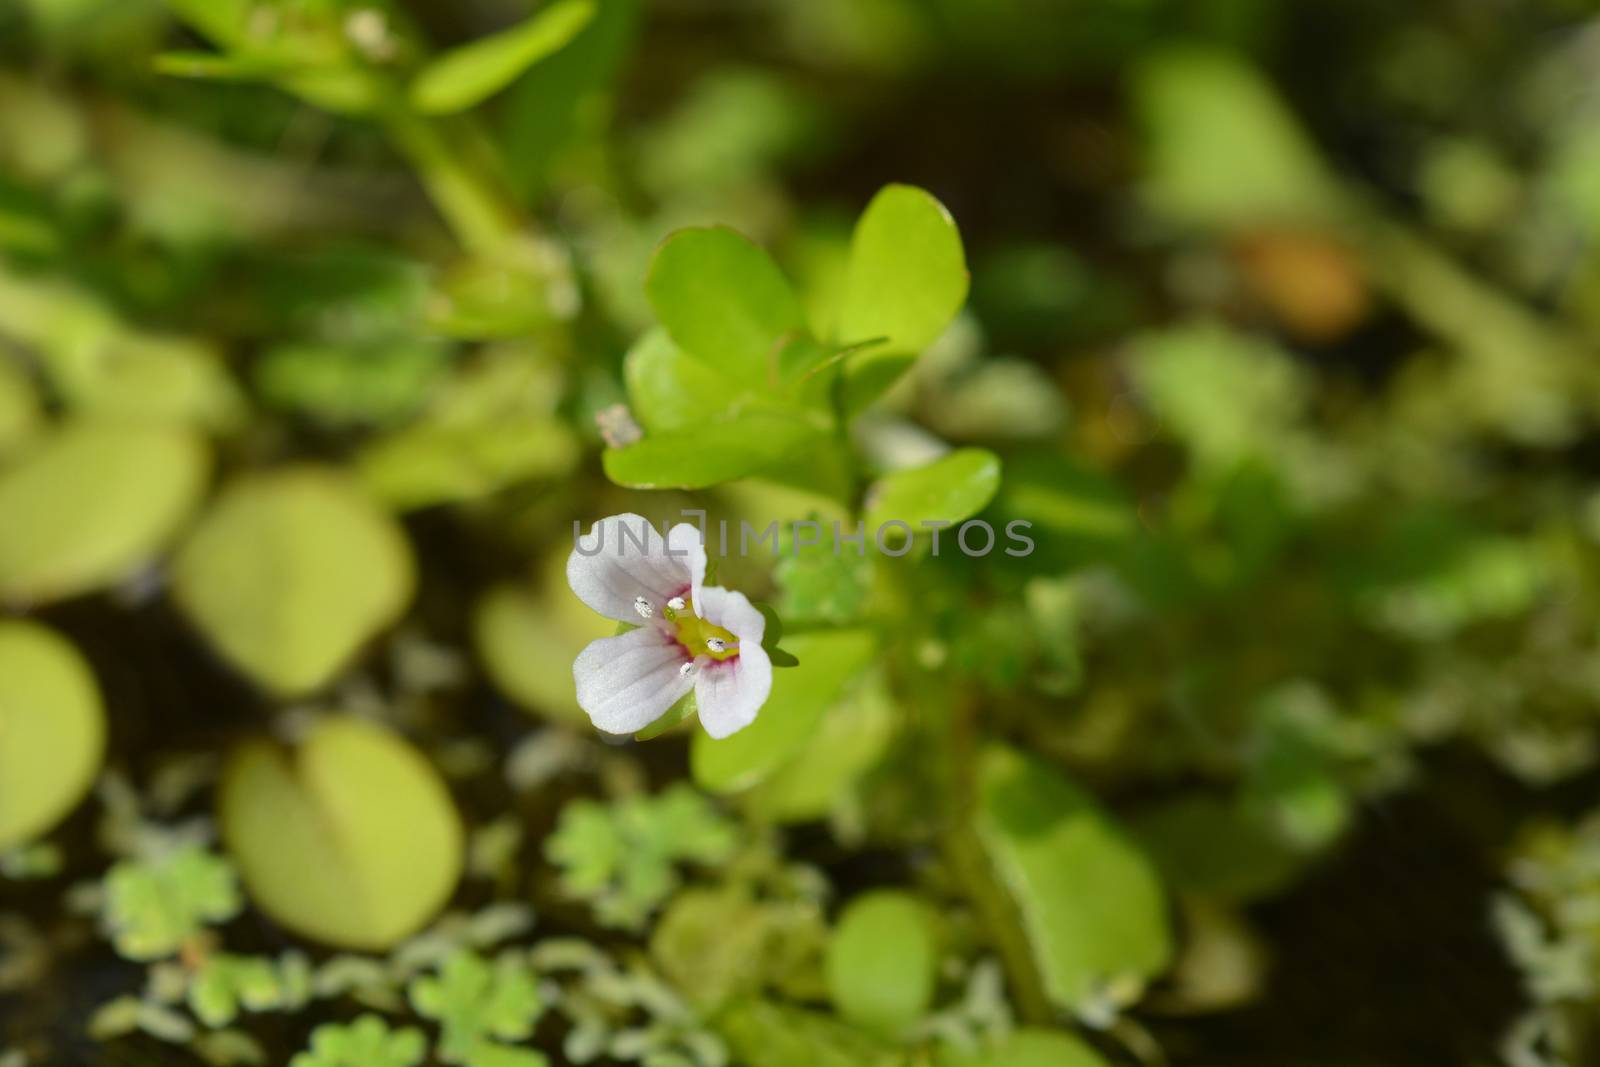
[[849, 741], [475, 1001], [350, 839], [52, 730], [800, 697], [907, 275], [91, 503], [708, 453], [717, 944], [765, 1034], [469, 75], [1205, 846], [1222, 149], [527, 643], [20, 415], [1029, 1047], [725, 302], [153, 906], [291, 572], [668, 389], [950, 489], [367, 1042], [622, 857], [882, 962], [1089, 900], [1228, 396]]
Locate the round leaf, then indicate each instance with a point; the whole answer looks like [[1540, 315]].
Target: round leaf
[[724, 301], [351, 839], [527, 644], [907, 275], [1089, 899], [91, 503], [950, 489], [52, 730], [669, 389], [882, 961], [290, 573]]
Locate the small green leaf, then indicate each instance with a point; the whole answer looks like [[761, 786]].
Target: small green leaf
[[849, 741], [528, 643], [725, 302], [765, 1034], [907, 275], [290, 573], [828, 663], [469, 75], [668, 389], [1089, 899], [351, 839], [708, 453], [153, 906], [367, 1042], [950, 489], [92, 502], [1222, 149], [623, 857], [475, 1001], [1029, 1047], [52, 730], [882, 962]]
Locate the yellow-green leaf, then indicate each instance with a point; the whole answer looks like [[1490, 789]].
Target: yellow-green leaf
[[708, 453], [89, 504], [469, 75], [528, 642], [350, 839], [907, 275], [1029, 1047], [52, 730], [290, 573], [1089, 900], [951, 488], [882, 961], [724, 301]]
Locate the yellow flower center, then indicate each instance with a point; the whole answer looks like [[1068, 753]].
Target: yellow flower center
[[696, 634]]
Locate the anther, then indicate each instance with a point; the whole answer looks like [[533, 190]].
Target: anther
[[716, 644], [686, 670], [677, 603], [642, 606]]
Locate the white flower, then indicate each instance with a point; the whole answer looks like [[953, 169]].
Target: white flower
[[690, 635]]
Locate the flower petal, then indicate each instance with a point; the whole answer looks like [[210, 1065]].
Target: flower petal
[[730, 693], [627, 682], [623, 557], [684, 541], [733, 612]]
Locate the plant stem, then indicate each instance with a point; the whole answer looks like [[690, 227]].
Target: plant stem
[[477, 210]]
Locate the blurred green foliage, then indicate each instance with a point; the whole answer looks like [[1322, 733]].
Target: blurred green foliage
[[323, 321]]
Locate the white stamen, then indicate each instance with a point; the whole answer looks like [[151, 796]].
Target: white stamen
[[677, 603], [716, 644], [686, 670], [642, 606]]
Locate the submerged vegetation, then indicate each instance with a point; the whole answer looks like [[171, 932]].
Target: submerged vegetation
[[1141, 581]]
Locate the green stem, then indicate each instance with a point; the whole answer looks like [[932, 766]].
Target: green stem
[[478, 212]]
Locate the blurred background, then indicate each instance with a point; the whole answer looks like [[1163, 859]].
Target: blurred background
[[1281, 319]]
